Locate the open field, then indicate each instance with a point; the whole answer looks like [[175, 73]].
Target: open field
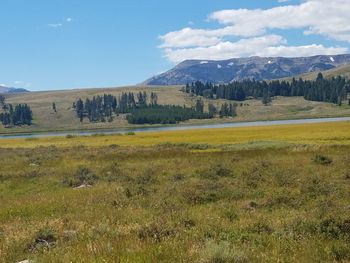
[[263, 194], [322, 133], [65, 118]]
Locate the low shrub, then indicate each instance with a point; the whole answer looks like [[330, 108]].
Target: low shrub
[[83, 176], [156, 231], [44, 240], [322, 160], [221, 252]]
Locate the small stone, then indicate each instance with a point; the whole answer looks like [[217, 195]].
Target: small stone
[[83, 186]]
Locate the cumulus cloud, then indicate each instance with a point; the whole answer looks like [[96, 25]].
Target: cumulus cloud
[[264, 46], [313, 17]]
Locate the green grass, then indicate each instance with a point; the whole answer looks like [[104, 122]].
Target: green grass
[[265, 201]]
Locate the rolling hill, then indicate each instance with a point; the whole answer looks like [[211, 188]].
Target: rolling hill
[[258, 68], [339, 71], [4, 89]]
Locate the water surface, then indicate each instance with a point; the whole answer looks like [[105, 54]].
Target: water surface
[[176, 128]]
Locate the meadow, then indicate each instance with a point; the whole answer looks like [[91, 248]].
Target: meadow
[[263, 194]]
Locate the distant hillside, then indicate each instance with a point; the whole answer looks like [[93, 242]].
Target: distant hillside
[[339, 71], [257, 68], [4, 89]]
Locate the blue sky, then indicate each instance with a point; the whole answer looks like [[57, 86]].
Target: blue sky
[[62, 44]]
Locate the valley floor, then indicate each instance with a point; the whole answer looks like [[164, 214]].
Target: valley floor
[[65, 119], [257, 194]]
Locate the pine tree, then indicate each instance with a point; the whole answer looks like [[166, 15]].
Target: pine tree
[[79, 106], [212, 110], [199, 106]]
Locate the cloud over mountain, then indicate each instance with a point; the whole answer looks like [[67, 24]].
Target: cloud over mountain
[[254, 31]]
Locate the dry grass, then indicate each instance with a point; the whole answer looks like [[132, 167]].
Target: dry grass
[[259, 202], [339, 71]]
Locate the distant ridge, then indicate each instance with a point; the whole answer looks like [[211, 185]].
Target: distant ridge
[[258, 68], [343, 71], [4, 89]]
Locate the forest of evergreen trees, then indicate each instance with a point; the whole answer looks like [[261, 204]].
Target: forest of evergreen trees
[[17, 115], [164, 114], [332, 90], [140, 108]]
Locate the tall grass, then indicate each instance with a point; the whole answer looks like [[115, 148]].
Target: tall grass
[[174, 203]]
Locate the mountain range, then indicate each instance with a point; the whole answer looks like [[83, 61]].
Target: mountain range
[[258, 68], [5, 89]]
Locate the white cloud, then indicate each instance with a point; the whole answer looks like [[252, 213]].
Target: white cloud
[[267, 46], [282, 1], [315, 17], [22, 84], [55, 25]]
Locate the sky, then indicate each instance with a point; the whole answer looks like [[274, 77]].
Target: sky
[[65, 44]]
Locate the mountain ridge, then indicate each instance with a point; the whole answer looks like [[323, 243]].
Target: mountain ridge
[[6, 90], [258, 68]]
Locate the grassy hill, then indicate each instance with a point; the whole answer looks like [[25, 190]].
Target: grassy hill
[[339, 71], [45, 119]]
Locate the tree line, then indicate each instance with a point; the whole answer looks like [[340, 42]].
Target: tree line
[[332, 90], [164, 114], [104, 108], [142, 108], [16, 115]]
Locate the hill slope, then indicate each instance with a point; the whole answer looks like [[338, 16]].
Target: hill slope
[[339, 71], [4, 90], [257, 68]]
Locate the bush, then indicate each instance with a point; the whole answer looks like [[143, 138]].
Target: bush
[[83, 176], [201, 194], [44, 239], [216, 171], [341, 252], [322, 160], [156, 231], [329, 228]]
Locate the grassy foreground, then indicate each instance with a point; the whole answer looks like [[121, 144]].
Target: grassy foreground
[[264, 194]]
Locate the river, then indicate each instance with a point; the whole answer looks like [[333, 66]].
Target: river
[[176, 128]]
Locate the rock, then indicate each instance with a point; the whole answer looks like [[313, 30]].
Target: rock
[[27, 261], [83, 186]]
